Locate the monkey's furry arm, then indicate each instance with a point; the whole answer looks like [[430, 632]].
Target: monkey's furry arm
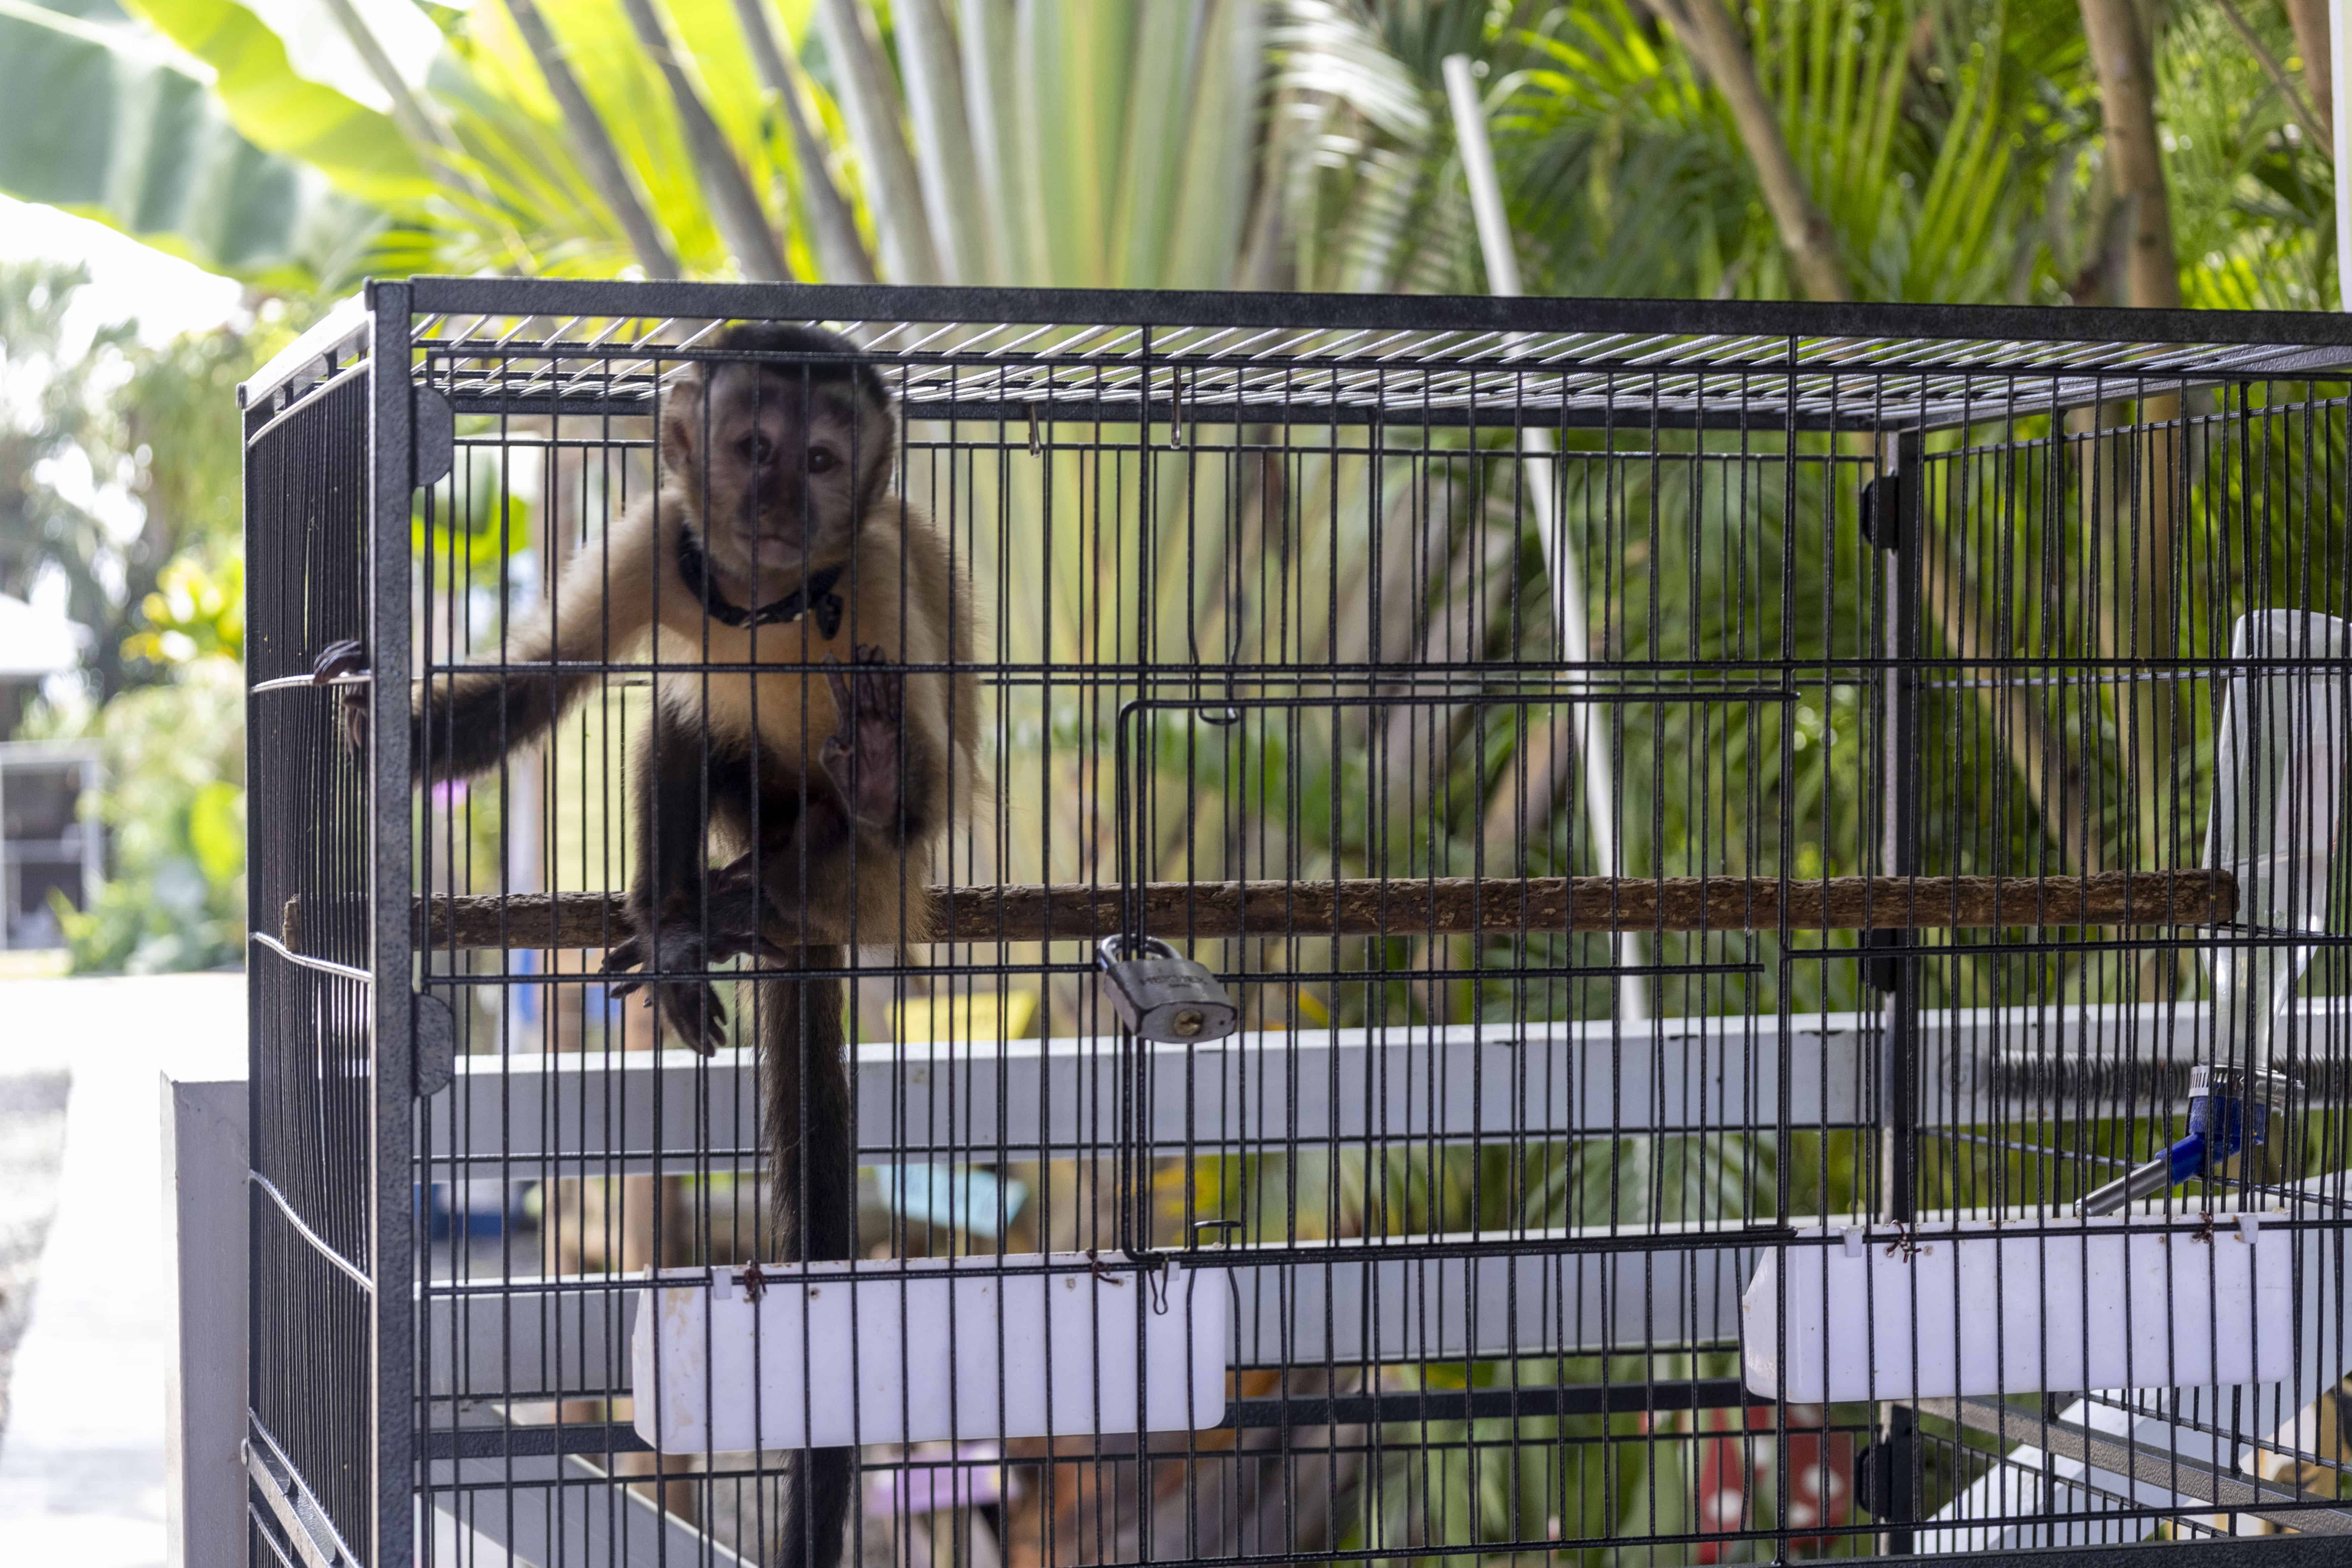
[[463, 722]]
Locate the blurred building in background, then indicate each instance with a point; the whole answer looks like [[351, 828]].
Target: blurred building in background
[[47, 848]]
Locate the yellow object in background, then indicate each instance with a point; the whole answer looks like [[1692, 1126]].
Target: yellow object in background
[[979, 1018]]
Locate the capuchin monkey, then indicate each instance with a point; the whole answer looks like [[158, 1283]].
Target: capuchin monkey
[[773, 538]]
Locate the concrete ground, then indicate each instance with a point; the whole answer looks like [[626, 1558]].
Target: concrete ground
[[32, 1138], [82, 1452]]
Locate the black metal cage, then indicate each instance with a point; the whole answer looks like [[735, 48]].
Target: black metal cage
[[1728, 829]]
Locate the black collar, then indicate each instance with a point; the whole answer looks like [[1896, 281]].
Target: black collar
[[814, 596]]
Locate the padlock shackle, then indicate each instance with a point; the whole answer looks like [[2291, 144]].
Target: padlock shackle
[[1107, 950]]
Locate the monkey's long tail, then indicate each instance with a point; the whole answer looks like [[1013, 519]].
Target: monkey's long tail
[[813, 1178]]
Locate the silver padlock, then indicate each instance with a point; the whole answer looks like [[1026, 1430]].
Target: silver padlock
[[1162, 995]]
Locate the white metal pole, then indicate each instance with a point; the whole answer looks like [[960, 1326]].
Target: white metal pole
[[1478, 168], [2340, 70], [1536, 480]]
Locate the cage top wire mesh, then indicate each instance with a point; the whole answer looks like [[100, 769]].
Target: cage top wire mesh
[[1405, 358], [1726, 829]]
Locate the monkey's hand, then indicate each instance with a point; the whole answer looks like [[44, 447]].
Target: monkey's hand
[[336, 660], [862, 757]]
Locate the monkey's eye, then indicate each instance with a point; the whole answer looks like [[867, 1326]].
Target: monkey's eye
[[757, 448], [821, 458]]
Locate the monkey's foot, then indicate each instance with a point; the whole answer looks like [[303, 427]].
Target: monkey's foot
[[689, 1009], [862, 757], [745, 918], [338, 659], [691, 1012]]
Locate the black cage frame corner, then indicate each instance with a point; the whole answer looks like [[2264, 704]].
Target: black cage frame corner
[[1683, 795]]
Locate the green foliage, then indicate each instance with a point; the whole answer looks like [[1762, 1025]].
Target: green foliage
[[361, 150], [1917, 128], [1955, 145], [123, 468], [536, 209], [174, 807], [1363, 138], [116, 460], [469, 528], [106, 122], [2253, 207], [195, 613], [58, 433]]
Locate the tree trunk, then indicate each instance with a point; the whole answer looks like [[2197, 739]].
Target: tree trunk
[[2315, 129], [2142, 471], [2314, 43], [1707, 33], [2121, 55]]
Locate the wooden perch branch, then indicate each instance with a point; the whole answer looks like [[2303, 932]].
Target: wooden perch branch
[[1449, 907]]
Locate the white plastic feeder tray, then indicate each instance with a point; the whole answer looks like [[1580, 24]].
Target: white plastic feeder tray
[[920, 1350], [1955, 1308]]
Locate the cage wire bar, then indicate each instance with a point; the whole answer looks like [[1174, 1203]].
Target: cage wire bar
[[1974, 688]]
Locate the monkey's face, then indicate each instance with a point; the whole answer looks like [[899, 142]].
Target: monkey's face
[[782, 469]]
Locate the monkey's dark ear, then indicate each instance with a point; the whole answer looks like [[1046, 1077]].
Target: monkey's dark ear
[[681, 422]]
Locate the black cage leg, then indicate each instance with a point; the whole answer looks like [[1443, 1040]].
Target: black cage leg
[[391, 470], [1898, 538]]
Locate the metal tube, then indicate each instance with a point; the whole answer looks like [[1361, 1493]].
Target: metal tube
[[1536, 474]]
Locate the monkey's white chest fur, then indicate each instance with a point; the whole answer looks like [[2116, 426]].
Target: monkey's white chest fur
[[785, 713]]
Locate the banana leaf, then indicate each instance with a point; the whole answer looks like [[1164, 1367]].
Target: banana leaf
[[109, 122], [359, 149]]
